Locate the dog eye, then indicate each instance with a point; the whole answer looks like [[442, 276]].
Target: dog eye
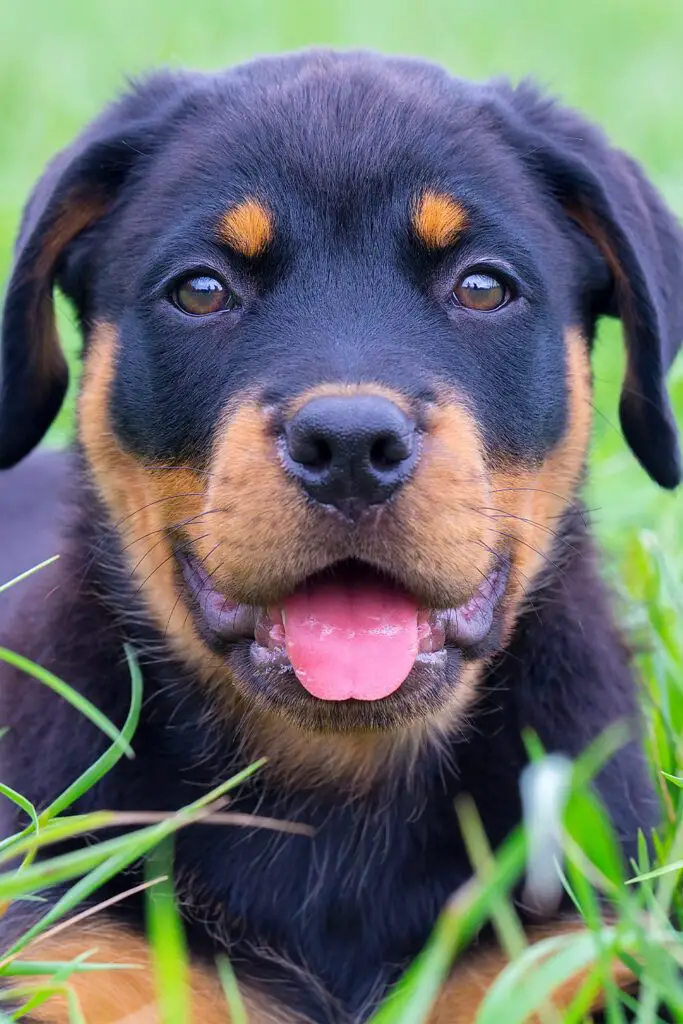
[[202, 294], [480, 290]]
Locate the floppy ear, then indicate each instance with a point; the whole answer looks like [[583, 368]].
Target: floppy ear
[[641, 244], [78, 188]]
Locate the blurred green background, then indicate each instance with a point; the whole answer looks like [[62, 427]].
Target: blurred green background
[[621, 61]]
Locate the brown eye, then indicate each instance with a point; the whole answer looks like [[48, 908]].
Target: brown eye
[[203, 294], [479, 290]]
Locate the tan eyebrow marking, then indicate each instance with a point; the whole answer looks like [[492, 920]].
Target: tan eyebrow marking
[[247, 228], [438, 219]]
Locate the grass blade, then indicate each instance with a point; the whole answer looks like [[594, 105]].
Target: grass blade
[[166, 936], [77, 700], [29, 572], [233, 996], [412, 998], [109, 758]]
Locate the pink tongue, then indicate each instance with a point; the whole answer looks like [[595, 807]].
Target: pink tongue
[[351, 639]]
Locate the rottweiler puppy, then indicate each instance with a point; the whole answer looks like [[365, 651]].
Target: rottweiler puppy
[[337, 315]]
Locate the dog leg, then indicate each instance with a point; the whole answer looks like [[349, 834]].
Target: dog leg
[[128, 995]]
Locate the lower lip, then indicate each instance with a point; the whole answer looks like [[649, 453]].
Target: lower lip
[[225, 623]]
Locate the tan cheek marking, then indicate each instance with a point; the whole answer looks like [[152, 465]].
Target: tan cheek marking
[[247, 228], [270, 525], [473, 975], [143, 502], [261, 516], [526, 505], [438, 219], [129, 997], [433, 517], [436, 519], [435, 513]]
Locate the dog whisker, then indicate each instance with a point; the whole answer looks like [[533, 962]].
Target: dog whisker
[[157, 501]]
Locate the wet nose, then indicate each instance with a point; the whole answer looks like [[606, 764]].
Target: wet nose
[[351, 452]]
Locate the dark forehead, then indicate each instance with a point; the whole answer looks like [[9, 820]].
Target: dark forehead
[[325, 127]]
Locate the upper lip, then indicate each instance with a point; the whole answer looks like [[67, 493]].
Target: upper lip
[[463, 626]]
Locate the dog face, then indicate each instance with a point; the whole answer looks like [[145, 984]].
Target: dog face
[[337, 313]]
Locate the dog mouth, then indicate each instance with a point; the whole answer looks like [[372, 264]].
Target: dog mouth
[[349, 633]]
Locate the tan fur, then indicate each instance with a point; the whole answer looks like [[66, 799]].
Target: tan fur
[[143, 502], [332, 390], [46, 357], [247, 228], [352, 761], [261, 530], [475, 972], [252, 526], [590, 223], [129, 996], [526, 504], [434, 523], [438, 219], [476, 505], [272, 532], [76, 214]]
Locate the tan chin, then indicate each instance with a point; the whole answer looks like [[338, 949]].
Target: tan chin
[[249, 523], [356, 761]]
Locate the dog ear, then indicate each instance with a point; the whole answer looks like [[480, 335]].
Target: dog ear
[[77, 189], [641, 247]]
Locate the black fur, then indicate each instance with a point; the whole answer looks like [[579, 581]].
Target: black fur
[[338, 145], [355, 903]]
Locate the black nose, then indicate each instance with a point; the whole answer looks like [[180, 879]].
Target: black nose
[[351, 452]]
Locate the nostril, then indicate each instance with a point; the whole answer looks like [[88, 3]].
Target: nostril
[[318, 454], [309, 449], [390, 450]]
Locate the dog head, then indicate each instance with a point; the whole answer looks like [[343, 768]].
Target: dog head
[[337, 313]]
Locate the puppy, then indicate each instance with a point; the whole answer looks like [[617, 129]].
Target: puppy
[[337, 315]]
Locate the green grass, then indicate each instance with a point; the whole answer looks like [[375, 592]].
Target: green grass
[[618, 60], [564, 822]]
